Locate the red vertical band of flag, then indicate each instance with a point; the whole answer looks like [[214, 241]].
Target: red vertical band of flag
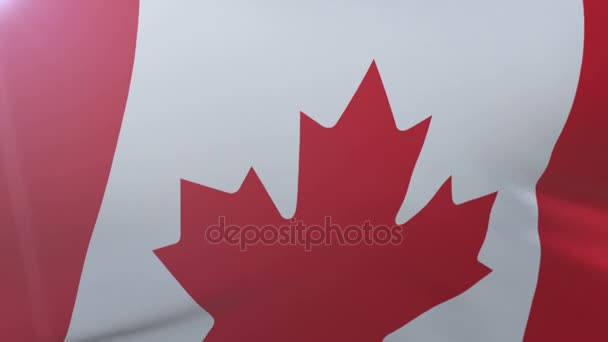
[[572, 292], [65, 68]]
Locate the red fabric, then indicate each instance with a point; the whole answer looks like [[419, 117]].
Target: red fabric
[[65, 68], [572, 292]]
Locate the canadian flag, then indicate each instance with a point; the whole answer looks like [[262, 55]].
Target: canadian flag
[[445, 163]]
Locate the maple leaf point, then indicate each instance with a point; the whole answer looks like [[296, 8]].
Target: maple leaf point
[[354, 172]]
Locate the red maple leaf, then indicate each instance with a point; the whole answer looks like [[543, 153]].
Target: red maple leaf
[[354, 172]]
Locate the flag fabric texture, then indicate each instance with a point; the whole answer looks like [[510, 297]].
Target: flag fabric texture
[[303, 171]]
